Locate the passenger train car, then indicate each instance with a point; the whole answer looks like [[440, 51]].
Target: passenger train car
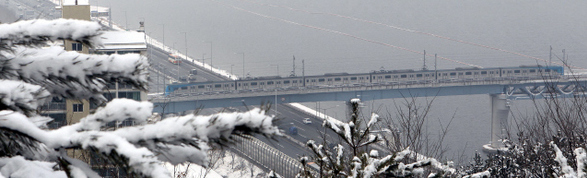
[[382, 77]]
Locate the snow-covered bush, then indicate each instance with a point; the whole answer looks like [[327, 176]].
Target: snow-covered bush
[[548, 143], [31, 74], [362, 159]]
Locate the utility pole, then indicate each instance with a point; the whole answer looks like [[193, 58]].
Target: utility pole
[[424, 66], [564, 59], [303, 73], [293, 71], [163, 36], [550, 56], [210, 53], [185, 35], [435, 70], [125, 21]]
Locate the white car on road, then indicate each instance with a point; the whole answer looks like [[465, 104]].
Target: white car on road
[[307, 121]]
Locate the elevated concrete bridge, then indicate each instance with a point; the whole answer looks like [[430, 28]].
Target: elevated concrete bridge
[[563, 86]]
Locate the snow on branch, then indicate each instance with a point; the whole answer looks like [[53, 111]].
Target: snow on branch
[[22, 97], [567, 170], [19, 167], [216, 126], [40, 30], [74, 75], [116, 110], [421, 161], [141, 160], [581, 157], [127, 141]]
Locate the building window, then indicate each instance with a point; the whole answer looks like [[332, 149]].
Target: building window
[[78, 107], [76, 46]]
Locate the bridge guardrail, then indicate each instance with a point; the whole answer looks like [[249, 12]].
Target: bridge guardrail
[[268, 156]]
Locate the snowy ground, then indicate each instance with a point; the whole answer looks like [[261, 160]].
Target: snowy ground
[[223, 164]]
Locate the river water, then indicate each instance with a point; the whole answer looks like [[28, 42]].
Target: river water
[[359, 36]]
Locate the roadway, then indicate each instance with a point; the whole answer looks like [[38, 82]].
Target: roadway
[[294, 145], [164, 72]]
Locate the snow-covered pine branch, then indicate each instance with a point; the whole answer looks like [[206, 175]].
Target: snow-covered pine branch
[[30, 74], [128, 141], [71, 74], [39, 31], [22, 97], [63, 73]]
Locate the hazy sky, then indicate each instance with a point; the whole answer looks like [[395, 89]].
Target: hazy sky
[[358, 36]]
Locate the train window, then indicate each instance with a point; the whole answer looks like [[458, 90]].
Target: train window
[[353, 78], [509, 71], [388, 76], [476, 73], [202, 86], [307, 80], [321, 80], [336, 79], [278, 82], [330, 79], [418, 75], [226, 85], [345, 78], [404, 76], [295, 81], [546, 70], [217, 86], [254, 83], [532, 70], [460, 73], [232, 84], [246, 84], [524, 71], [411, 76], [484, 72], [184, 88], [379, 77], [361, 78], [286, 82], [468, 73], [313, 80], [270, 83], [517, 71], [490, 72], [453, 73]]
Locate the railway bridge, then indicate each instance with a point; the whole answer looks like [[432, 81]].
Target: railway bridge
[[501, 92]]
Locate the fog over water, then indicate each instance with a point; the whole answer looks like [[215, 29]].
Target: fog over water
[[359, 36]]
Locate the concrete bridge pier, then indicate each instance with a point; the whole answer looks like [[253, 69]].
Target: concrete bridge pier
[[500, 108]]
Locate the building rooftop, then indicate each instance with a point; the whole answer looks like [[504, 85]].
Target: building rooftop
[[123, 40], [73, 2]]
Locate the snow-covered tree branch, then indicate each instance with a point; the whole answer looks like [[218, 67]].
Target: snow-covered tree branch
[[32, 71]]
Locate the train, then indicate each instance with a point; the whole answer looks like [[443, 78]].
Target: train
[[373, 78]]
